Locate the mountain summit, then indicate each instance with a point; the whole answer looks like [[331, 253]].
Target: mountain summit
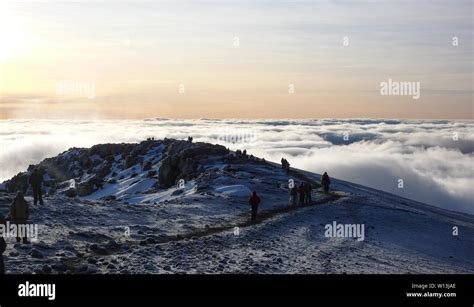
[[176, 206]]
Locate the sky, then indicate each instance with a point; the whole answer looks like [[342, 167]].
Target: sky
[[234, 59]]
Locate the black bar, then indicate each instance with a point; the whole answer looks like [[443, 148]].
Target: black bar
[[71, 288]]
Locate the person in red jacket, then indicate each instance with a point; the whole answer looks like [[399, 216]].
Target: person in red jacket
[[254, 200]]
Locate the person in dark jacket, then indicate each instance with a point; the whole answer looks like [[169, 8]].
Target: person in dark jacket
[[254, 200], [284, 164], [307, 193], [3, 246], [325, 182], [36, 181], [302, 191], [294, 196], [19, 214]]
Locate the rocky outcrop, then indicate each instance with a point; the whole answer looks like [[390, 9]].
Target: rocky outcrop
[[183, 159], [89, 169], [89, 186], [19, 182], [109, 150], [169, 171]]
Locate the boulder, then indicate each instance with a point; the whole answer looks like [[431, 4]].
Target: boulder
[[131, 160], [169, 171], [36, 254], [89, 185], [71, 192], [85, 188], [98, 249]]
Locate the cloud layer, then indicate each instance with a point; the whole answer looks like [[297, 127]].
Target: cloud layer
[[433, 158]]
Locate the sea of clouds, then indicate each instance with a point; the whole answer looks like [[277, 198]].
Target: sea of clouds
[[433, 158]]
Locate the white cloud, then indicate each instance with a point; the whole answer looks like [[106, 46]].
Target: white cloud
[[435, 168]]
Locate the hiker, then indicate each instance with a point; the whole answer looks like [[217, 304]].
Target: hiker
[[325, 182], [3, 245], [19, 213], [302, 191], [285, 165], [254, 200], [294, 196], [307, 193], [36, 180]]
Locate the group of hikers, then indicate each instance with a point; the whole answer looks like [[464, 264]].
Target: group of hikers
[[20, 212], [304, 193], [301, 192]]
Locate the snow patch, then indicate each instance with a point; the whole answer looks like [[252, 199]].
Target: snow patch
[[237, 190]]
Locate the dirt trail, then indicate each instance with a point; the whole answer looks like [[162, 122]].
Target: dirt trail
[[243, 221], [246, 222]]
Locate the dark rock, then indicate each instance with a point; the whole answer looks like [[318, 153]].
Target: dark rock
[[131, 160], [106, 150], [89, 185], [98, 249], [36, 254], [109, 198], [147, 166], [112, 245], [85, 188], [59, 267], [169, 171], [46, 269], [71, 192], [19, 182], [92, 260], [151, 174]]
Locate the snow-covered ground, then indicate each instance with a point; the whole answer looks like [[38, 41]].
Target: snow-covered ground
[[192, 228]]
